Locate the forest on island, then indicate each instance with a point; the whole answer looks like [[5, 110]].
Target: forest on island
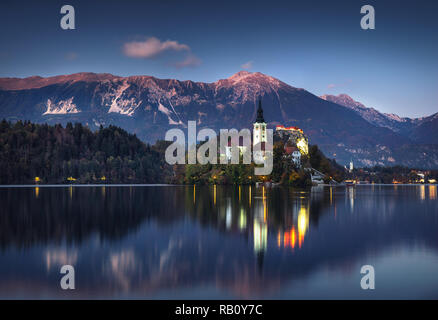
[[284, 171]]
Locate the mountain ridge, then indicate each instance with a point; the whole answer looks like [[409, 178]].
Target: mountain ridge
[[422, 129], [149, 106]]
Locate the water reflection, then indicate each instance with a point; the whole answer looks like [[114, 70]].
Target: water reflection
[[422, 192], [350, 195], [432, 192], [298, 226], [243, 241], [57, 257]]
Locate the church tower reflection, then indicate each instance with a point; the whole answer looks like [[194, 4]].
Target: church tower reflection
[[260, 226]]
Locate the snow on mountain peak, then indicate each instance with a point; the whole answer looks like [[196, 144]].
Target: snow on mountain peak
[[240, 75], [247, 76], [61, 107]]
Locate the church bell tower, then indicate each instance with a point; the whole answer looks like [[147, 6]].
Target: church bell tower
[[259, 130]]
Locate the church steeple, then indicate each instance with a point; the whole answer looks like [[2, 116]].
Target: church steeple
[[259, 131], [260, 118]]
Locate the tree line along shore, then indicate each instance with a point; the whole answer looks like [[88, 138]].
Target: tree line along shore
[[42, 154]]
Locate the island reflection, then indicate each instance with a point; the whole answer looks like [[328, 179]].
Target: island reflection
[[241, 241]]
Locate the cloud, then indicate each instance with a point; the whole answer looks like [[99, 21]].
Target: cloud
[[331, 85], [247, 66], [189, 61], [71, 56], [152, 47]]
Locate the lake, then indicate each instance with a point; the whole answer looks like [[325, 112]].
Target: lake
[[207, 242]]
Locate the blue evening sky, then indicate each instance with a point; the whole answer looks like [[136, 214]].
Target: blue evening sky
[[316, 45]]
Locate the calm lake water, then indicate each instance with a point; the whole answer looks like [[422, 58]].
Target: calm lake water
[[161, 242]]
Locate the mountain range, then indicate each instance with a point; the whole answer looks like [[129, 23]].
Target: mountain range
[[343, 128], [420, 130]]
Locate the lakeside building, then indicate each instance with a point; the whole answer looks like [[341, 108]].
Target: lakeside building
[[295, 136], [296, 144], [293, 152]]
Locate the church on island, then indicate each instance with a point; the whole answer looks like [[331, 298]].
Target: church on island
[[294, 139]]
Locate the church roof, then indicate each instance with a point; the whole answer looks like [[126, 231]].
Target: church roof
[[290, 149], [260, 118]]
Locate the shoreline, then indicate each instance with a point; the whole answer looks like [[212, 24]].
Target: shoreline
[[191, 185], [87, 185]]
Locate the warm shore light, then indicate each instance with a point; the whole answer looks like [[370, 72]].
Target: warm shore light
[[288, 128]]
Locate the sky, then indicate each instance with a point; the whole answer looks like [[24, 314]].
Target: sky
[[315, 45]]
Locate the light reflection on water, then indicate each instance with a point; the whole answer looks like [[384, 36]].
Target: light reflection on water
[[218, 242]]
